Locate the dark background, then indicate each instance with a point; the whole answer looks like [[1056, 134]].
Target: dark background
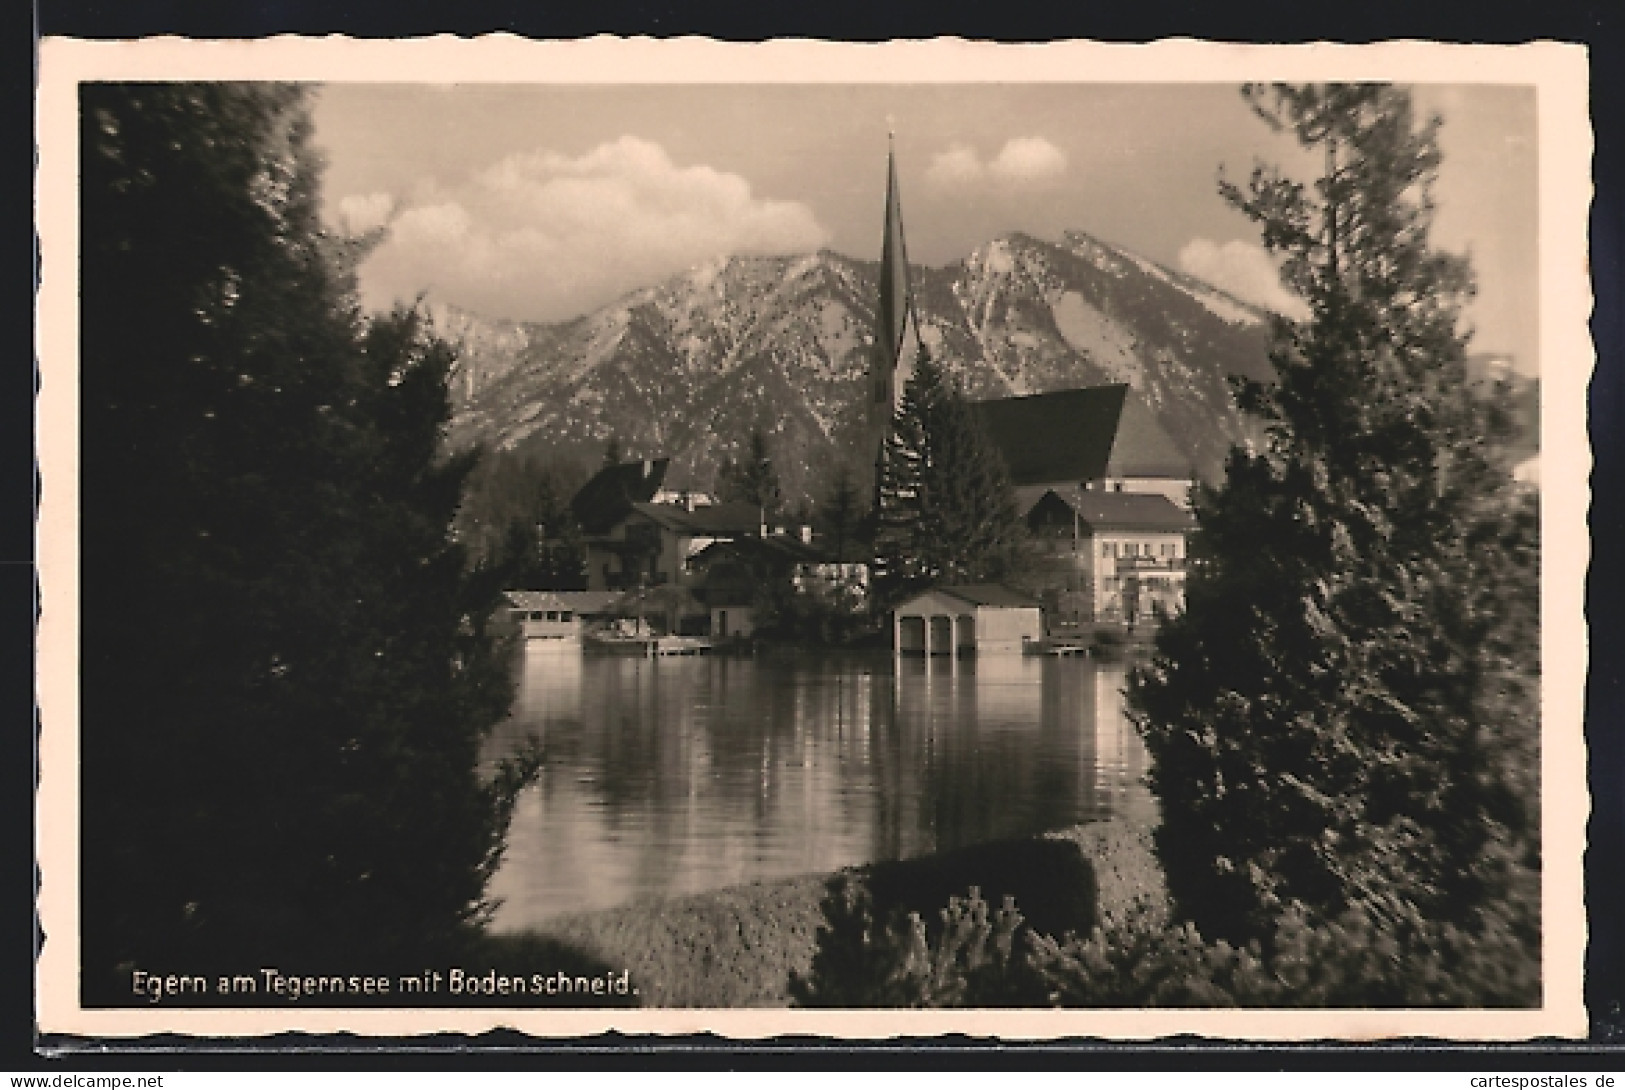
[[1595, 22]]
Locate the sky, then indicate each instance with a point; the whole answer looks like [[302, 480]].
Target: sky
[[542, 202]]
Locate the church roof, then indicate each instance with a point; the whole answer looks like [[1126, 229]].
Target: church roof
[[1080, 435]]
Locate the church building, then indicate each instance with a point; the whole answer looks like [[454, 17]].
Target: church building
[[1093, 462]]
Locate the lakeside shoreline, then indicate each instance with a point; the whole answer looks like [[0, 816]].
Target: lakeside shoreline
[[739, 946]]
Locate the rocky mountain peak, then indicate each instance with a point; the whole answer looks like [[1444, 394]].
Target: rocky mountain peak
[[686, 368]]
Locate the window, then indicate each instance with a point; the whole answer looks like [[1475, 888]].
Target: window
[[1105, 548], [566, 616], [535, 614]]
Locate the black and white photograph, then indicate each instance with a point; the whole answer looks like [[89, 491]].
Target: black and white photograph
[[1043, 541]]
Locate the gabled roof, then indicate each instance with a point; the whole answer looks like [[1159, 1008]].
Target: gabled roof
[[532, 599], [717, 519], [780, 548], [992, 595], [579, 601], [587, 601], [1115, 510], [1080, 435], [610, 494]]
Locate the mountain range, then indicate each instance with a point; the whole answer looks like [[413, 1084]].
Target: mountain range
[[685, 369]]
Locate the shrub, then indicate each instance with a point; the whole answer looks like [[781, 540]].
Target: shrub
[[980, 958], [970, 959]]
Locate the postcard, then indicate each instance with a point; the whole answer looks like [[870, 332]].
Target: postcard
[[1054, 541]]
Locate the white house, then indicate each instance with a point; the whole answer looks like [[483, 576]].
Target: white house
[[1110, 556]]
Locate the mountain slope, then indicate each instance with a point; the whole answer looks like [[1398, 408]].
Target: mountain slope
[[685, 369]]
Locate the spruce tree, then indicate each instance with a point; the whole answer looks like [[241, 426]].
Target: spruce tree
[[1344, 716], [752, 479], [840, 514], [946, 511], [287, 671]]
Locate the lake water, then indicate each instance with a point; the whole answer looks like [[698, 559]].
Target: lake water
[[678, 775]]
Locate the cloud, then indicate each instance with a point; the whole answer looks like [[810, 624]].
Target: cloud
[[1024, 160], [956, 166], [1028, 159], [360, 213], [1244, 269], [544, 236]]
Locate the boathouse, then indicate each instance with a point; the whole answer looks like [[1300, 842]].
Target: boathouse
[[557, 614], [977, 618]]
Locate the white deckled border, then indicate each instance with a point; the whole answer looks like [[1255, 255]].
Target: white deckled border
[[1557, 71]]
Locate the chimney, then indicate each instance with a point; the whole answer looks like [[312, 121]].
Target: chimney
[[648, 468], [806, 535]]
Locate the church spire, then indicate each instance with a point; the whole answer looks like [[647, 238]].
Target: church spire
[[897, 333], [896, 311]]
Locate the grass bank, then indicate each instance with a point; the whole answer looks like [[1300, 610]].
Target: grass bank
[[738, 947]]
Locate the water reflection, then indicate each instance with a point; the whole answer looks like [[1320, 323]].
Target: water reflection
[[684, 774]]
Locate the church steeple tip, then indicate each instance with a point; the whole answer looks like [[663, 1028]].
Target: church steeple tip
[[896, 310], [897, 333]]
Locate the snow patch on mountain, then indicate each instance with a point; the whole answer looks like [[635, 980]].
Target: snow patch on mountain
[[1095, 335], [1104, 258]]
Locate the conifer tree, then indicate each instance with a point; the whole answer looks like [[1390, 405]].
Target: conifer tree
[[1344, 716], [840, 514], [946, 512], [752, 479], [287, 672]]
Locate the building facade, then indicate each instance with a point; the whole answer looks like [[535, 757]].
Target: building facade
[[652, 544], [1114, 557]]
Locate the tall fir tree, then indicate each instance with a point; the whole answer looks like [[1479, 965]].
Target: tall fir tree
[[946, 511], [286, 671], [1345, 714], [840, 514], [752, 479]]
